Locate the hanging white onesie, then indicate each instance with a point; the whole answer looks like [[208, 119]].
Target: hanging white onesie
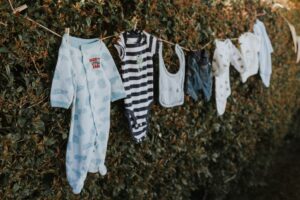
[[86, 77], [225, 54], [171, 86], [265, 60], [250, 46]]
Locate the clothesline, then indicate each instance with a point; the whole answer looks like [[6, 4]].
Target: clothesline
[[103, 38], [57, 34], [19, 9]]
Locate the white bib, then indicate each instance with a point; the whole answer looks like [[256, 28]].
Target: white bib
[[171, 86]]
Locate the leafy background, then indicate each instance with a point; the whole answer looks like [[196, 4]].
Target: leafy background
[[190, 152]]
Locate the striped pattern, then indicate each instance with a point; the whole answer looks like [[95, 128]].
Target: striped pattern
[[137, 74]]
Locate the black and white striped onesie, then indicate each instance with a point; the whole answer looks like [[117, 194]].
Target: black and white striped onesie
[[136, 52]]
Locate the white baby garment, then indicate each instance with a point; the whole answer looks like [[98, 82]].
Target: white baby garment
[[265, 60], [294, 36], [250, 46], [298, 54], [171, 86], [225, 54], [86, 77]]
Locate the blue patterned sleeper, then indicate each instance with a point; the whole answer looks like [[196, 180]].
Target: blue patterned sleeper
[[86, 77]]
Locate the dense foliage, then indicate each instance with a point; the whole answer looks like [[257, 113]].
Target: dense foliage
[[189, 152]]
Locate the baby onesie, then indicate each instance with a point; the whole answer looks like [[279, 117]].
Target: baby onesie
[[265, 60], [225, 54], [199, 74], [171, 86], [136, 52], [86, 77], [250, 46]]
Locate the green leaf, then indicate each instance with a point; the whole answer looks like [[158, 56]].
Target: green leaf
[[4, 50]]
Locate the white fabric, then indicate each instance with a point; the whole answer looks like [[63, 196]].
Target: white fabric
[[171, 86], [298, 55], [250, 46], [225, 53], [265, 60], [294, 36]]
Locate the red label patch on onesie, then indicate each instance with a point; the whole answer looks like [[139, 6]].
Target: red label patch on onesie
[[95, 62]]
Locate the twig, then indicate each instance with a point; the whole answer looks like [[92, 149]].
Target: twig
[[37, 103], [4, 24], [11, 6], [34, 64]]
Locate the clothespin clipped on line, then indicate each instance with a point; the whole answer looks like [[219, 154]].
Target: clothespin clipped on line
[[135, 24], [135, 21], [20, 9], [255, 18], [67, 31]]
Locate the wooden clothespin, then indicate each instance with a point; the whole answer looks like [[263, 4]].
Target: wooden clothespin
[[135, 21], [67, 31], [255, 14], [20, 9]]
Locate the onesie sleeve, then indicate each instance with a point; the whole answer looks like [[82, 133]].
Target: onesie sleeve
[[268, 41], [261, 32], [111, 71], [216, 63], [236, 59], [62, 89]]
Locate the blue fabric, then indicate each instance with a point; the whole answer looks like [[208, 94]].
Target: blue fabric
[[86, 77], [199, 75]]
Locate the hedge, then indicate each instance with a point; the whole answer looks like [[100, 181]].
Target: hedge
[[190, 152]]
